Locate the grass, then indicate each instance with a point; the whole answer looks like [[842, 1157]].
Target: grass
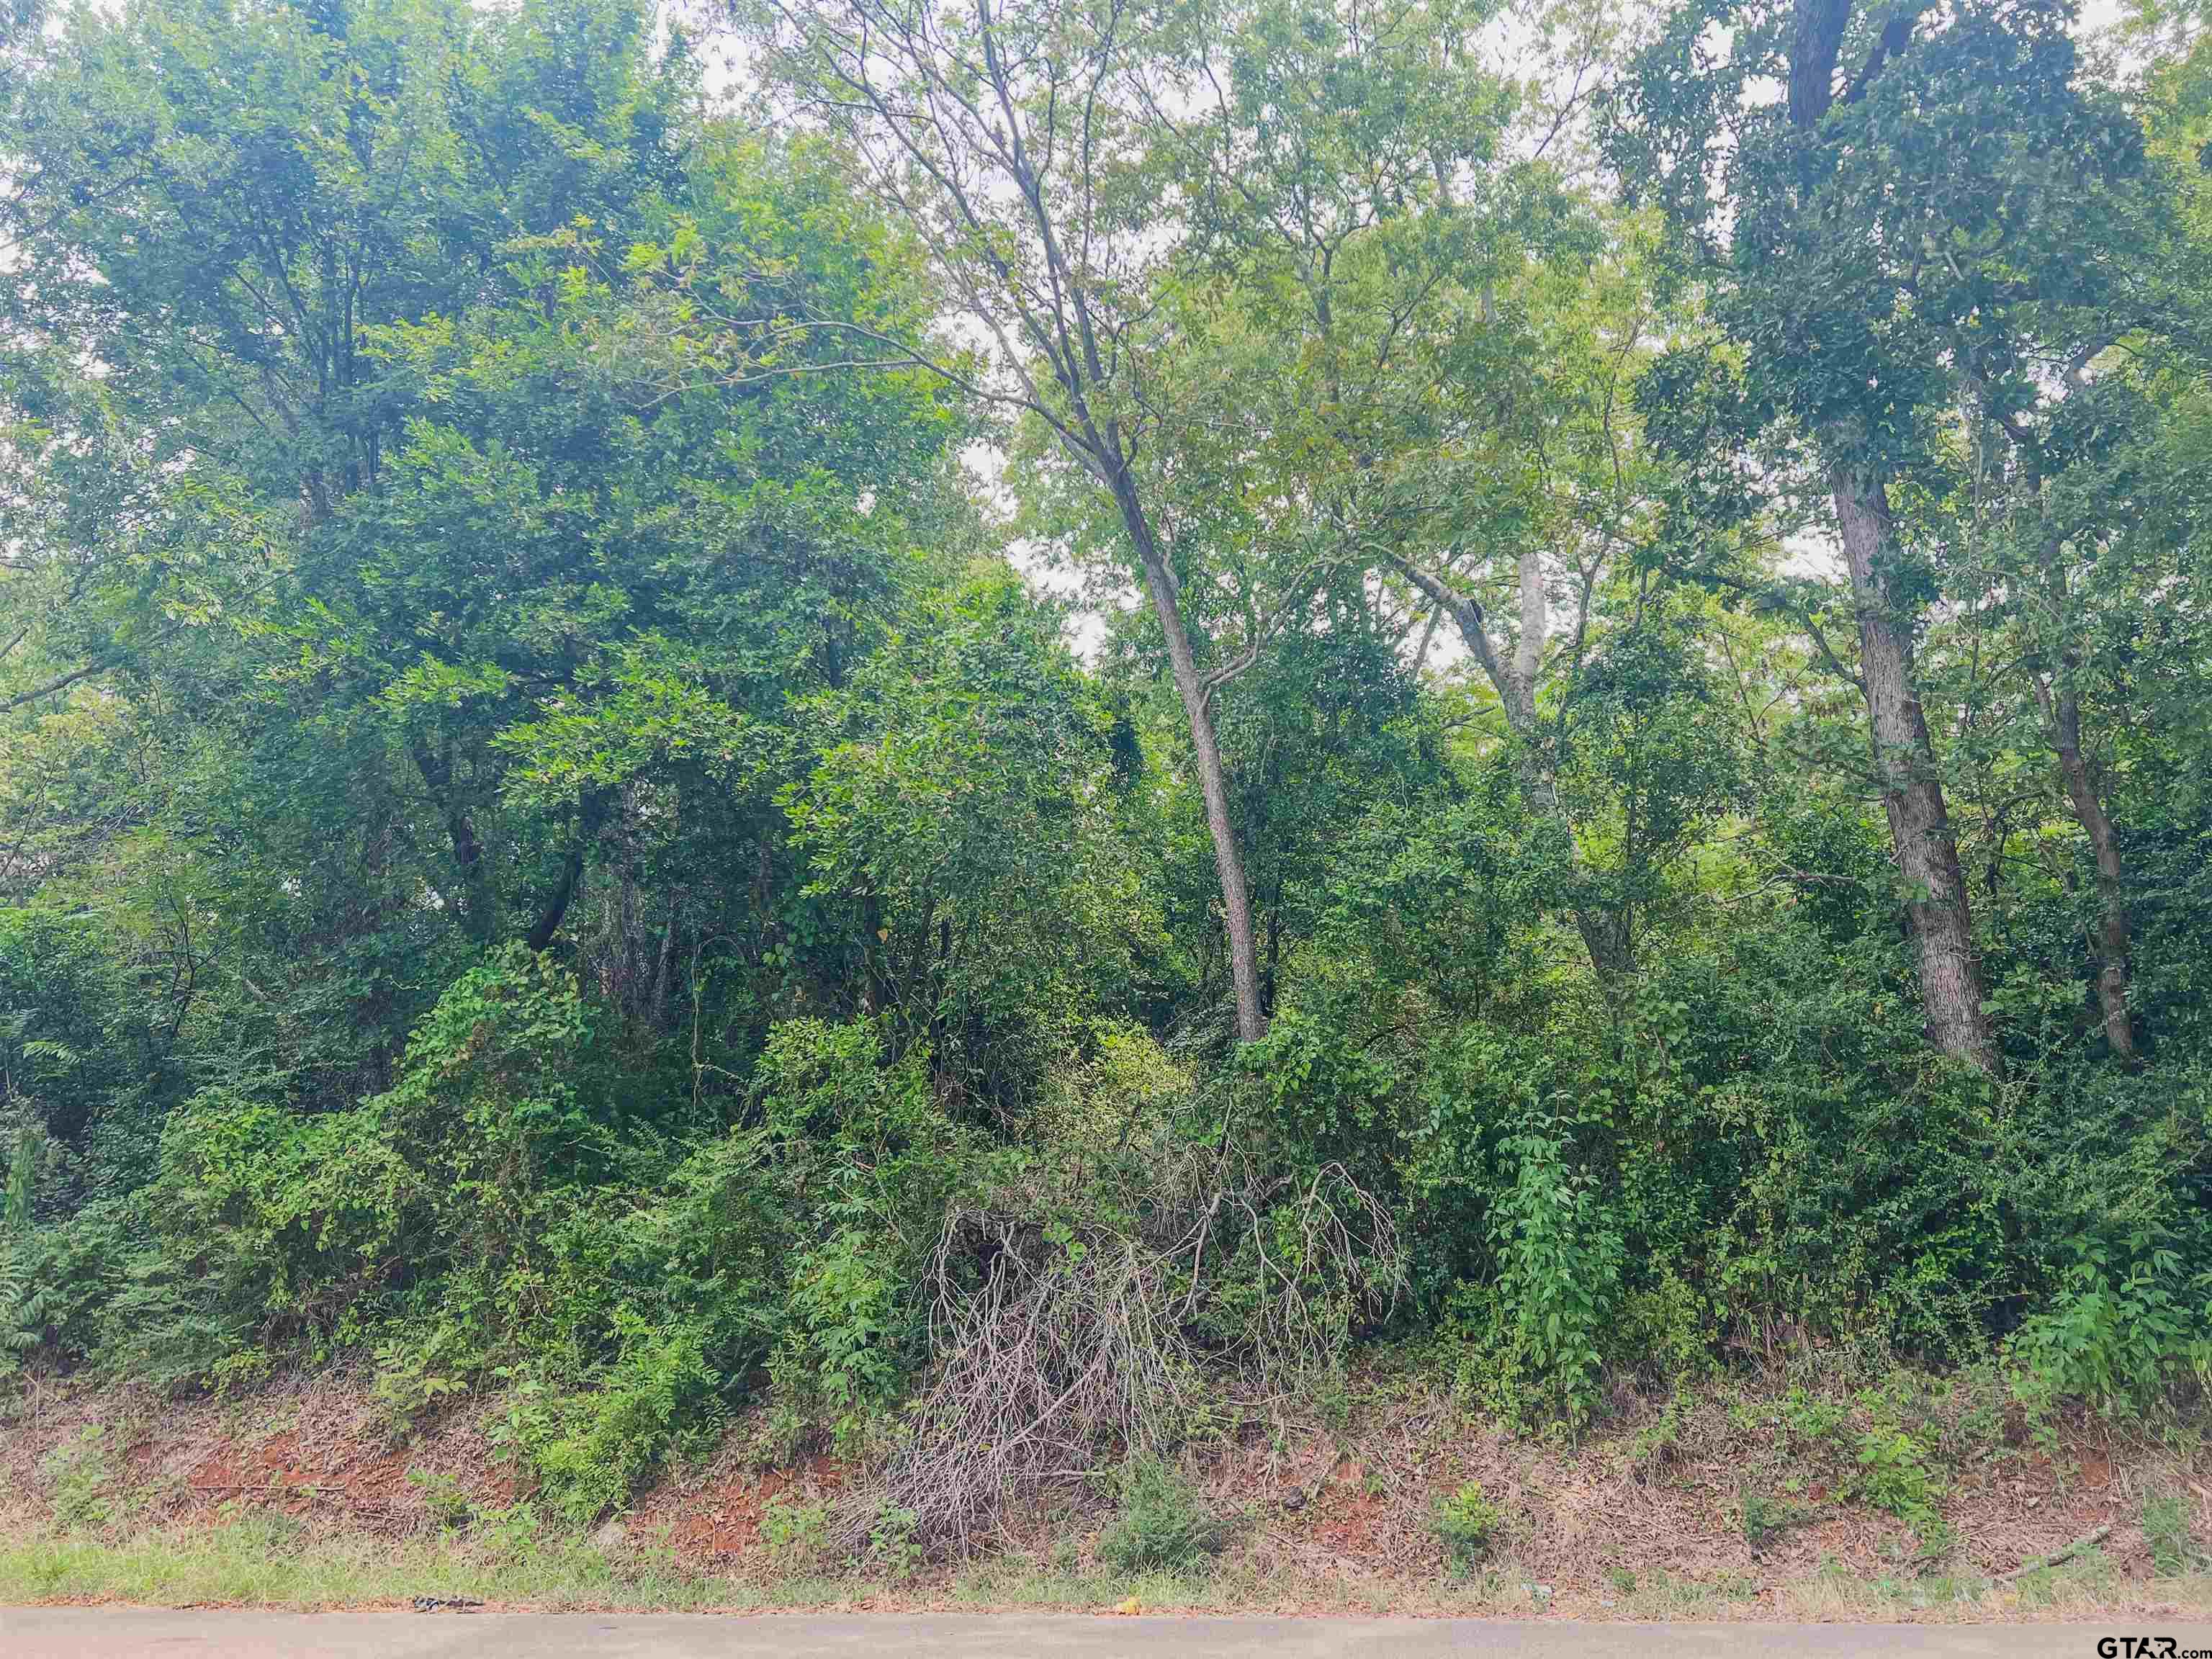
[[271, 1561], [259, 1559], [1014, 1581], [262, 1560], [2088, 1587], [1659, 1596]]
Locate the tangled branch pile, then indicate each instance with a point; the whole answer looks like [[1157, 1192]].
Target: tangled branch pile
[[1062, 1349]]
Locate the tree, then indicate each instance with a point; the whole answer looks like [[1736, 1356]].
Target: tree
[[1409, 347], [1004, 140], [1923, 175]]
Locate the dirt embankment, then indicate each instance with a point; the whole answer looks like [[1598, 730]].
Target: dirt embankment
[[1726, 1501]]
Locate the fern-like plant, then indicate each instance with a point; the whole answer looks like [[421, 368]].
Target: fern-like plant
[[22, 1309], [23, 1306]]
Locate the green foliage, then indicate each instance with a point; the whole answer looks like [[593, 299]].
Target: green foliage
[[552, 837], [796, 1530], [1560, 1270], [450, 1506], [79, 1476], [23, 1308], [1893, 1467], [1765, 1518], [1893, 1475], [1666, 1327], [1469, 1524], [590, 1449], [289, 1218], [1162, 1522], [1810, 1423], [413, 1377], [22, 1178], [2125, 1324], [892, 1546], [2174, 1549], [841, 1354]]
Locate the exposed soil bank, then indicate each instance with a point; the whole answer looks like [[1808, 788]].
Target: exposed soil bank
[[1918, 1501]]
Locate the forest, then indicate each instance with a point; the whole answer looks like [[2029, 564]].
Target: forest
[[980, 721]]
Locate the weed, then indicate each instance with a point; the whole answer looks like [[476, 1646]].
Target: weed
[[2173, 1547], [1659, 1441], [449, 1504], [796, 1530], [1161, 1521], [892, 1545], [413, 1378], [1893, 1475], [1468, 1523], [1809, 1423], [1765, 1518], [782, 1437], [510, 1533], [80, 1480]]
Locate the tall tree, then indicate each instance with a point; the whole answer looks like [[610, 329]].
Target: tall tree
[[1923, 173], [1418, 343], [1002, 137]]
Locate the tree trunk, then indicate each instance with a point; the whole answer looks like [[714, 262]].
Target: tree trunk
[[480, 909], [2113, 932], [1197, 705], [556, 908], [1905, 760], [1605, 934]]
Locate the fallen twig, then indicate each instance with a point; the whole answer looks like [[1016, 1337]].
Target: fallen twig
[[2066, 1554]]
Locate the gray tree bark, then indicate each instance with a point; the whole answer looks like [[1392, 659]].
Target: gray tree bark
[[1920, 836], [1197, 698], [1605, 934], [2064, 711]]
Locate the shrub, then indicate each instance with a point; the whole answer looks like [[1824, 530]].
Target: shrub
[[1161, 1523], [591, 1448], [1468, 1523], [285, 1218], [849, 1338], [1561, 1266], [492, 1110], [2126, 1322], [1666, 1329]]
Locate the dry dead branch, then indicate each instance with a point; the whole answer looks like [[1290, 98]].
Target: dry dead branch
[[1062, 1349]]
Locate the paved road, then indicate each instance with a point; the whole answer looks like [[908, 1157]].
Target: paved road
[[151, 1633]]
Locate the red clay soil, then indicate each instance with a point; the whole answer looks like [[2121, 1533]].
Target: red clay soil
[[714, 1518], [1645, 1501], [305, 1446]]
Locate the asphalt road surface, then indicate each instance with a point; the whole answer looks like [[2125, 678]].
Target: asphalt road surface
[[156, 1633]]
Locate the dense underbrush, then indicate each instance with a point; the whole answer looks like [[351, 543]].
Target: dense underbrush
[[974, 1313]]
